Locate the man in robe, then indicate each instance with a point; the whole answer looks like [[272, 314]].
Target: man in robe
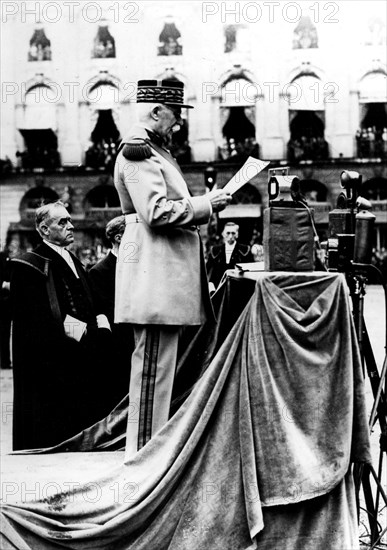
[[55, 338]]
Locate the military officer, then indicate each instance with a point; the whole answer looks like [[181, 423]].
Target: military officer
[[161, 282]]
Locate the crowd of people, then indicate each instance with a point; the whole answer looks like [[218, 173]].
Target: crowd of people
[[234, 150], [308, 148], [371, 142], [101, 155], [39, 157]]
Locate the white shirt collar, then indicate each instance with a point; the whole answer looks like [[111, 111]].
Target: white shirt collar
[[61, 250]]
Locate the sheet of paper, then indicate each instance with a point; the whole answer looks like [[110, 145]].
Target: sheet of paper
[[74, 327], [251, 168]]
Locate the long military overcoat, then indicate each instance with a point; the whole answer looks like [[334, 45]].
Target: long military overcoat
[[160, 275]]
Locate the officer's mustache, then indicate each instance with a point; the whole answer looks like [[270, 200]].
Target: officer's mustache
[[175, 128]]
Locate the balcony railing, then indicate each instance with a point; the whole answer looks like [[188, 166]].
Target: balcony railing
[[371, 144], [313, 148]]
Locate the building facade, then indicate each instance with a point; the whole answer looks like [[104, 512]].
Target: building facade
[[301, 84]]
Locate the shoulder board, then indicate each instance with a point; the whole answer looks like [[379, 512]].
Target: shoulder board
[[137, 149], [33, 260]]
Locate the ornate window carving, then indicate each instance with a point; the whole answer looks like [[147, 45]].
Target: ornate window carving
[[376, 32], [170, 39], [40, 47], [235, 38], [104, 43], [305, 34]]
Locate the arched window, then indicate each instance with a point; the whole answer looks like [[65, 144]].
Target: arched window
[[40, 47], [33, 198], [307, 119], [247, 195], [371, 137], [375, 190], [38, 128], [104, 43], [102, 196], [313, 190], [105, 136], [238, 96]]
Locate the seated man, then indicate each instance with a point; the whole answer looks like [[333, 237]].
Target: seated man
[[227, 255], [56, 379], [102, 278]]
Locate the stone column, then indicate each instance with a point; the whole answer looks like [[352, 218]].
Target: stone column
[[11, 93], [69, 142]]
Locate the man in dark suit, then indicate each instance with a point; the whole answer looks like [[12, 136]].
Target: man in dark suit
[[55, 338], [227, 255], [102, 281]]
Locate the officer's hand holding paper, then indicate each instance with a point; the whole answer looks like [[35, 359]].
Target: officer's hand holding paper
[[220, 198], [251, 168]]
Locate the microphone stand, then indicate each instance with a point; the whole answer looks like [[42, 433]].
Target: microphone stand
[[357, 278]]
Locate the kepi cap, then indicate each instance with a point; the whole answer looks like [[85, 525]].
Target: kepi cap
[[166, 92]]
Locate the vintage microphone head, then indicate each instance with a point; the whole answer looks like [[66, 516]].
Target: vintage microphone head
[[284, 189], [348, 177], [351, 182], [363, 204]]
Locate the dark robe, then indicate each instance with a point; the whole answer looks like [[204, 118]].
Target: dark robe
[[5, 312], [56, 378], [102, 277], [216, 262]]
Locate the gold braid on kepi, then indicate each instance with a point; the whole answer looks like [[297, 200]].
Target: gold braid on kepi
[[137, 150]]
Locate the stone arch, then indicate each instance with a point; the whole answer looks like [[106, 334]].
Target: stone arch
[[306, 106], [313, 190], [238, 95], [103, 94], [32, 199], [371, 135], [247, 195], [102, 196], [37, 123], [375, 189], [373, 86]]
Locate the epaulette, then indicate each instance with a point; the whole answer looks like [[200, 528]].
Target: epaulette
[[137, 149]]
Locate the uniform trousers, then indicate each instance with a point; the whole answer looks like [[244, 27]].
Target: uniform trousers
[[151, 382]]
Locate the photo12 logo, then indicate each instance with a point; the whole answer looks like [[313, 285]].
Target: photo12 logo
[[249, 93], [53, 12], [269, 12]]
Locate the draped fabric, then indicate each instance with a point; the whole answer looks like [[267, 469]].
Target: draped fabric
[[256, 456]]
